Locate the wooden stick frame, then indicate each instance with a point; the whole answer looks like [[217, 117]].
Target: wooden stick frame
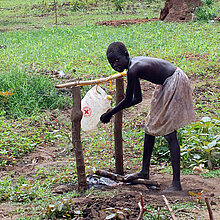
[[91, 82], [76, 124]]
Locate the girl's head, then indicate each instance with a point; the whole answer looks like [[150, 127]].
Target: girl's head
[[118, 56]]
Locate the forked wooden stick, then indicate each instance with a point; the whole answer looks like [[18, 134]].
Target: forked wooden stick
[[142, 208], [169, 208]]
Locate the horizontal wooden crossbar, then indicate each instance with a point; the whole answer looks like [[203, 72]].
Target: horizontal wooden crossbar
[[90, 82]]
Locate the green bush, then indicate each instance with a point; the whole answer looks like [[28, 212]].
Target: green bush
[[201, 143], [206, 12], [32, 94], [208, 2]]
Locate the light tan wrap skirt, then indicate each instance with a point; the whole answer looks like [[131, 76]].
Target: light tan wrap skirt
[[171, 106]]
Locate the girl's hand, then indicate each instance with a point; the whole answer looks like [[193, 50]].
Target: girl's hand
[[106, 117]]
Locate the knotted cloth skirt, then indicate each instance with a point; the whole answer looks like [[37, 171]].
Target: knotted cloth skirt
[[171, 106]]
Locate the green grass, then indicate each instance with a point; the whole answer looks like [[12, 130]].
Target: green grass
[[19, 137], [40, 14], [208, 97], [31, 94], [80, 53], [188, 45], [210, 174]]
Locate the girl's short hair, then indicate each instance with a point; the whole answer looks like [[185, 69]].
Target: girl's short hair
[[117, 48]]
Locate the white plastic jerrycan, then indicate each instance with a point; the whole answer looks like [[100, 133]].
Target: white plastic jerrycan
[[95, 103]]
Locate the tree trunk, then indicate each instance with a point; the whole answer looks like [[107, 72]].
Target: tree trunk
[[179, 10]]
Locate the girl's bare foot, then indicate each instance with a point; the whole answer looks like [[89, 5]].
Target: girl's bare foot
[[176, 186], [133, 176]]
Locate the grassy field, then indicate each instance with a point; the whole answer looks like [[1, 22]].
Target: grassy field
[[35, 115], [40, 14]]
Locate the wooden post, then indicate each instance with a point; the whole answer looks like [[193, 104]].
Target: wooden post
[[118, 129], [117, 123], [55, 10], [76, 138]]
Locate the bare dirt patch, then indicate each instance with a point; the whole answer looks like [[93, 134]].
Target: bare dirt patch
[[125, 196], [128, 196], [126, 21], [176, 10]]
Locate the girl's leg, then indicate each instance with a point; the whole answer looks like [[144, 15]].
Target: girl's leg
[[148, 148], [175, 161]]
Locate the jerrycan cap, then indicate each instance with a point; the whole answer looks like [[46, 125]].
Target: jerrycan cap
[[109, 97]]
